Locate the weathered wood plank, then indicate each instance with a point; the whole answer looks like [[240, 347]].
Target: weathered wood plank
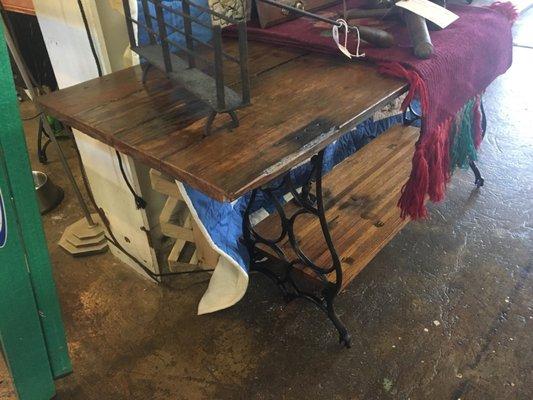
[[300, 103], [207, 257], [162, 184]]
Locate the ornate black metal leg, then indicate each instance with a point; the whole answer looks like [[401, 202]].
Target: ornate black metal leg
[[479, 179], [344, 336], [330, 277], [479, 182], [41, 149], [483, 118]]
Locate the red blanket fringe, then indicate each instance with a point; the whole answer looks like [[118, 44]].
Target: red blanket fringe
[[431, 161], [506, 8]]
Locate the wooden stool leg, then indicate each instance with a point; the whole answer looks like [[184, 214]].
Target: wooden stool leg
[[204, 252], [176, 222]]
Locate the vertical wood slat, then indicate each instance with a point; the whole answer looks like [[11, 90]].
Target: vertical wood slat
[[219, 72], [129, 24], [243, 62], [148, 20], [187, 26], [163, 35]]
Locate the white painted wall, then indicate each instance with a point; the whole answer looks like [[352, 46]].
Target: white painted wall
[[72, 60]]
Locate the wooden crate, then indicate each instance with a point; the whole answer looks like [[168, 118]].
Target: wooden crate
[[191, 248]]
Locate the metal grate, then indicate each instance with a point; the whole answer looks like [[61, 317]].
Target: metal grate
[[181, 62]]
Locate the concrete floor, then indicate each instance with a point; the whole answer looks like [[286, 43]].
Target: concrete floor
[[445, 311]]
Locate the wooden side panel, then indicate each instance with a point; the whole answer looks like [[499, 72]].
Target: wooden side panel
[[22, 6], [177, 222]]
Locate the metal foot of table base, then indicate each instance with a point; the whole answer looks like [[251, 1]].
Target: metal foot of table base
[[479, 181]]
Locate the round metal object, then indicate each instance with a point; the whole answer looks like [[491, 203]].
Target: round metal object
[[49, 195]]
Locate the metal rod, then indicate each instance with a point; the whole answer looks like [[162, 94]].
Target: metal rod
[[301, 12], [144, 26], [194, 38], [188, 52], [243, 62], [170, 41], [219, 72], [46, 125], [148, 20], [187, 26], [129, 26], [163, 36]]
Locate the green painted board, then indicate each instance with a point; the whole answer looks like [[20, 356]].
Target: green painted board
[[20, 328], [30, 317]]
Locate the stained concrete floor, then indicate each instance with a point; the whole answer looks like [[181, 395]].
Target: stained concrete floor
[[445, 311]]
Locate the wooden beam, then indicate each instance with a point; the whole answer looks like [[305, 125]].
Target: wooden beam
[[20, 6]]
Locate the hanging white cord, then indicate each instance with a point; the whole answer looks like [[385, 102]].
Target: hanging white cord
[[344, 48]]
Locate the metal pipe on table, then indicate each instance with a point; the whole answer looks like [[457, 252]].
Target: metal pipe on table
[[372, 35]]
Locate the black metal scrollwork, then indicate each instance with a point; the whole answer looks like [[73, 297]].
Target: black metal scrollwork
[[306, 202]]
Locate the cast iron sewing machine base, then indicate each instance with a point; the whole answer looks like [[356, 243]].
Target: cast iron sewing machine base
[[329, 277], [294, 268]]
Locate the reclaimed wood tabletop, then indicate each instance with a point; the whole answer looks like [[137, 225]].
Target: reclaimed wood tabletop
[[301, 102]]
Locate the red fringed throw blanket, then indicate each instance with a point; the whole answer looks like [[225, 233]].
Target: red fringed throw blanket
[[468, 55]]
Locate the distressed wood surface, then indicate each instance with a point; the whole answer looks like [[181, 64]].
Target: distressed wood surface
[[21, 6], [300, 103], [360, 196], [191, 248]]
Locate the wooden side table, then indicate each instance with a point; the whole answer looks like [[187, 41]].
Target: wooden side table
[[301, 103]]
